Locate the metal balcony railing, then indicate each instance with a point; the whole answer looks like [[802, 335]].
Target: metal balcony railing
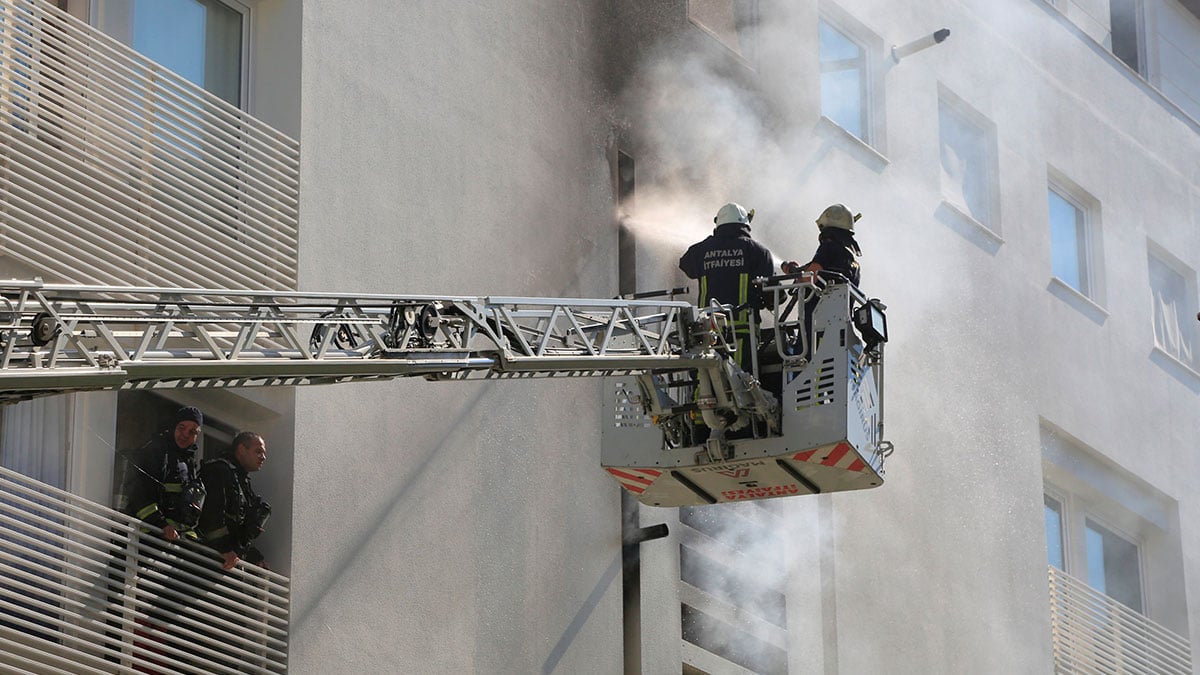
[[1093, 633], [84, 590], [114, 170]]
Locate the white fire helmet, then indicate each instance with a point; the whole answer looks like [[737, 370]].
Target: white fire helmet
[[838, 216], [734, 213]]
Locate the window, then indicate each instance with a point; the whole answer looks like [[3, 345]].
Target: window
[[1054, 532], [203, 41], [1109, 562], [969, 159], [1112, 565], [724, 19], [1074, 241], [1108, 530], [1068, 245], [732, 602], [35, 438], [626, 178], [843, 80], [1126, 22], [1171, 296]]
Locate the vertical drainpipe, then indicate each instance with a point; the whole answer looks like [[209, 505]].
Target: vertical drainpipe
[[631, 587], [632, 532]]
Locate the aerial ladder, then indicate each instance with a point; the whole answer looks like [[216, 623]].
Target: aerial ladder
[[684, 425]]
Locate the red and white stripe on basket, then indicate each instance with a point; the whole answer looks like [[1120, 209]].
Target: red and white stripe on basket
[[636, 480], [840, 456]]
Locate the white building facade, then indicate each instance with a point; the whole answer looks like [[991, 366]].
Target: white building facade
[[1030, 194]]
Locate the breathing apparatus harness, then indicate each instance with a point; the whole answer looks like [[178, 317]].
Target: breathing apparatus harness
[[184, 500], [254, 511]]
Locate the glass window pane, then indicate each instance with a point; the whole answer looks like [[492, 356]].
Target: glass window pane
[[721, 17], [1066, 237], [842, 79], [1054, 533], [836, 46], [201, 40], [1095, 559], [1172, 324], [1123, 15], [223, 52], [964, 163], [172, 33], [1113, 566]]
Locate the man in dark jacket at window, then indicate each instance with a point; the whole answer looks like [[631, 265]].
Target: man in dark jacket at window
[[233, 514], [725, 264], [164, 490], [836, 247], [834, 262], [164, 487]]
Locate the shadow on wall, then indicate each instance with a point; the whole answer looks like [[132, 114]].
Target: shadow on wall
[[329, 579], [585, 612]]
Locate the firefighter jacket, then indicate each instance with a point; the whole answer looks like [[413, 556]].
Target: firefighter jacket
[[233, 514], [725, 263], [162, 484], [836, 253]]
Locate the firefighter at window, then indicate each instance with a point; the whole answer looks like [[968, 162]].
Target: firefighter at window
[[725, 264], [163, 480], [835, 259], [233, 514], [834, 262]]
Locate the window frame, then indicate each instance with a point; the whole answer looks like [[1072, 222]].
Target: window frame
[[744, 13], [1190, 293], [988, 139], [1075, 511], [1090, 238], [1050, 493], [92, 10], [1090, 485], [1081, 254], [1135, 540], [1139, 29], [871, 85]]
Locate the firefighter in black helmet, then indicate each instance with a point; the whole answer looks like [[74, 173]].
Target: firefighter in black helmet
[[725, 264], [162, 482]]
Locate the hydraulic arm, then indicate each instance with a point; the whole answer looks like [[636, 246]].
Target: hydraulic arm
[[670, 364], [76, 338]]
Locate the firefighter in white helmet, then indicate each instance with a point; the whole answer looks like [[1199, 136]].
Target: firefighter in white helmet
[[836, 250], [725, 264], [834, 262]]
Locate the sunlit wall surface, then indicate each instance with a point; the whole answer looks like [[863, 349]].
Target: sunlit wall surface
[[1014, 183], [1031, 217]]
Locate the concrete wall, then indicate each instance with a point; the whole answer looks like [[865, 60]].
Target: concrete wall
[[275, 64], [944, 568], [459, 527], [464, 527]]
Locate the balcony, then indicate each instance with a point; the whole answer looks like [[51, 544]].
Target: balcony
[[114, 170], [1092, 633], [83, 590]]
